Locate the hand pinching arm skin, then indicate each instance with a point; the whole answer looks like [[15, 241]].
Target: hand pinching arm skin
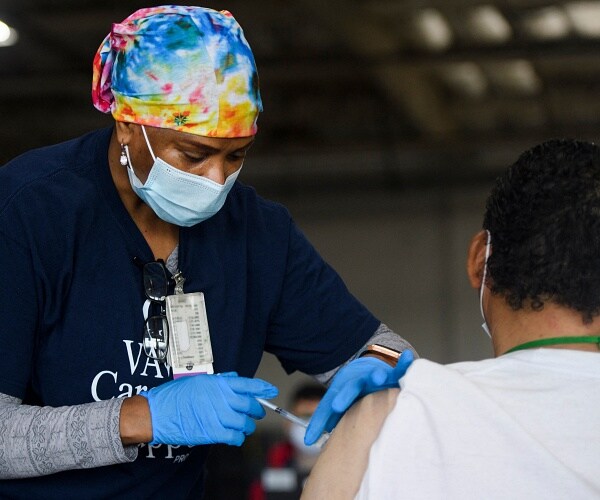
[[357, 379]]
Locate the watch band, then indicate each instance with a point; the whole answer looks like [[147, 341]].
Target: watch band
[[380, 350]]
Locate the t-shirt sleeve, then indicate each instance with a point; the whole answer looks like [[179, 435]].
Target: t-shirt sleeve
[[318, 324], [19, 306]]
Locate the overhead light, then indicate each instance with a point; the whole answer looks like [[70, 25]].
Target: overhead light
[[8, 35], [487, 24], [433, 30], [585, 17], [550, 23], [466, 78], [516, 76]]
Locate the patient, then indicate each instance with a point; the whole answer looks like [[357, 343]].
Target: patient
[[526, 424]]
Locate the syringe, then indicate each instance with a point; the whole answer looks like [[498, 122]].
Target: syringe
[[293, 418]]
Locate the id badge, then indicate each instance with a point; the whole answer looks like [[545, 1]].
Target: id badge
[[190, 350]]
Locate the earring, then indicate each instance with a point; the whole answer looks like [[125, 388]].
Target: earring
[[123, 158]]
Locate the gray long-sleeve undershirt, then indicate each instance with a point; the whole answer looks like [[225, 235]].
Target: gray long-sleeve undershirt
[[35, 441], [382, 336]]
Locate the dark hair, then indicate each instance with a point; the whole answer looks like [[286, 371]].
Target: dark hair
[[544, 218], [307, 391]]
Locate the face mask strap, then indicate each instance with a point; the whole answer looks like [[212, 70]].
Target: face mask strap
[[148, 143], [487, 255], [128, 158]]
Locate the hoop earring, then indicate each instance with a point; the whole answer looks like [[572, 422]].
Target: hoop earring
[[123, 158]]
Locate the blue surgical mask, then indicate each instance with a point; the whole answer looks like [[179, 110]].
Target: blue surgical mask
[[485, 327], [176, 196]]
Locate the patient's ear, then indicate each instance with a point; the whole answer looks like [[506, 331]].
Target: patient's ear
[[476, 258]]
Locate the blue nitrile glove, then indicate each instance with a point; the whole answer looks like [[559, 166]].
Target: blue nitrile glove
[[206, 409], [357, 379]]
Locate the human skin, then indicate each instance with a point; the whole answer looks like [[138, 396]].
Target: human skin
[[211, 157], [344, 458]]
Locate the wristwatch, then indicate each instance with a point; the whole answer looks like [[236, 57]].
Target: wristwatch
[[390, 355]]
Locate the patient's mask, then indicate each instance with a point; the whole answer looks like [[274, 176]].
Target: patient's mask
[[487, 255]]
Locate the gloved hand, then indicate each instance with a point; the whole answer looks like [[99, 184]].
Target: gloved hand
[[358, 378], [206, 409]]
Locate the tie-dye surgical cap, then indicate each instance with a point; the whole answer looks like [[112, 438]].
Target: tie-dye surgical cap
[[183, 68]]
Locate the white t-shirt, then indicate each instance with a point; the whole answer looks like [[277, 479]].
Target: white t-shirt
[[525, 425]]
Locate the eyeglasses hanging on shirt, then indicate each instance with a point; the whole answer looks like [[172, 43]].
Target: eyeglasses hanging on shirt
[[156, 328]]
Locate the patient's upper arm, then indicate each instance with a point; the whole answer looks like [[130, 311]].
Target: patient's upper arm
[[342, 463]]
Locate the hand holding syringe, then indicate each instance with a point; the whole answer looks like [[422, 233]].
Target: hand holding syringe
[[293, 418]]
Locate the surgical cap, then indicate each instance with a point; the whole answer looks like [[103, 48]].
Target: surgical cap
[[184, 68]]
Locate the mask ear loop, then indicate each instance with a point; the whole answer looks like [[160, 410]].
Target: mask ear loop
[[487, 255], [126, 148], [129, 166], [148, 143]]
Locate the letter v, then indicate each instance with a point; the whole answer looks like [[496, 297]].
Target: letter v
[[133, 364]]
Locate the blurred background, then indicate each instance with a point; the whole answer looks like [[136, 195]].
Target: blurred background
[[384, 125]]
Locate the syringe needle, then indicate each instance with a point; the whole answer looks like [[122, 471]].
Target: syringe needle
[[293, 418], [284, 413]]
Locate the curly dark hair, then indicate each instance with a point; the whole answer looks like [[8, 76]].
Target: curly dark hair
[[543, 215]]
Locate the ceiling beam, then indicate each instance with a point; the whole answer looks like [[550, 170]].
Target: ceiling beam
[[367, 36]]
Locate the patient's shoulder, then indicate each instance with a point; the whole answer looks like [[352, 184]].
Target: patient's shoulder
[[371, 410], [342, 464]]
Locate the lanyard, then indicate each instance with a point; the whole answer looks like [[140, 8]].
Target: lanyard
[[556, 340]]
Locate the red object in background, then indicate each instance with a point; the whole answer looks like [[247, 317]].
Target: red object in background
[[279, 456]]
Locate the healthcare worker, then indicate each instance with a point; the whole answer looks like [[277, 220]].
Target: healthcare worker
[[142, 281]]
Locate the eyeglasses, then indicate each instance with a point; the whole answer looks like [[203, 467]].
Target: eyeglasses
[[156, 328]]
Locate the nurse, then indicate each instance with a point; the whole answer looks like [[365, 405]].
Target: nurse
[[143, 281]]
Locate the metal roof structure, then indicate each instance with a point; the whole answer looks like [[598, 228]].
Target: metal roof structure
[[354, 91]]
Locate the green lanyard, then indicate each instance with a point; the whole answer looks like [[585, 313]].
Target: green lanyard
[[556, 340]]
